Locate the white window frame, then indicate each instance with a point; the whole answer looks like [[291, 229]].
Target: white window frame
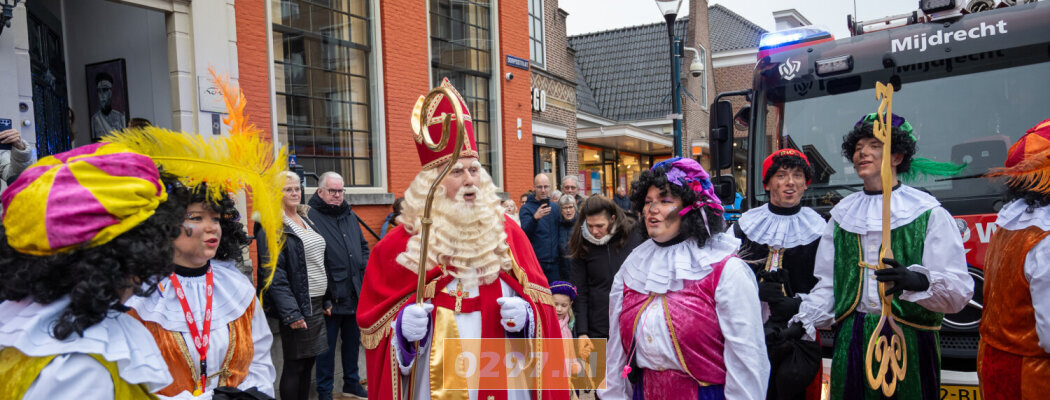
[[707, 75], [542, 64]]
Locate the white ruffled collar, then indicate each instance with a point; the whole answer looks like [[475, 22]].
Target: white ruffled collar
[[763, 226], [652, 268], [119, 338], [861, 213], [232, 290], [1015, 216]]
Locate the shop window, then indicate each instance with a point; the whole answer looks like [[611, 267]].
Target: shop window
[[461, 50], [537, 51], [322, 73]]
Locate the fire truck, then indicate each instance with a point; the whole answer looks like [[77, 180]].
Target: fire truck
[[970, 76]]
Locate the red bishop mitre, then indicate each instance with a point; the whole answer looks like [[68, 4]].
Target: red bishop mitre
[[435, 114]]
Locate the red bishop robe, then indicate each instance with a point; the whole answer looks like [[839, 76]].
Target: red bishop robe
[[389, 287]]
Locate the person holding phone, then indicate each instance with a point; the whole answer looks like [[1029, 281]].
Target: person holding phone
[[542, 228], [15, 154]]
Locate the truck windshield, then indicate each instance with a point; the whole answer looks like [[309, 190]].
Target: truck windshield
[[967, 109]]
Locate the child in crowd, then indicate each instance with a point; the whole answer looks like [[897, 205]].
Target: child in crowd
[[564, 294]]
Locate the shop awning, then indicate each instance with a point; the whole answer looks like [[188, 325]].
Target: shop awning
[[626, 138]]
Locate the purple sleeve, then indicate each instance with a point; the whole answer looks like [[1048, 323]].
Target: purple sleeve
[[405, 348]]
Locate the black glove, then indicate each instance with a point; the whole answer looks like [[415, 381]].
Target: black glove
[[771, 292], [784, 308], [232, 393], [791, 332], [902, 278]]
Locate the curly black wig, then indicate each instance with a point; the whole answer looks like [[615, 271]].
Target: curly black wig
[[788, 162], [902, 143], [1032, 198], [234, 237], [94, 278], [693, 222]]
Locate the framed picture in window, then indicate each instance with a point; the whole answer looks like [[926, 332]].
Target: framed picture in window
[[107, 90]]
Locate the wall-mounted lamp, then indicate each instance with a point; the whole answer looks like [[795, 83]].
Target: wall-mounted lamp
[[7, 12]]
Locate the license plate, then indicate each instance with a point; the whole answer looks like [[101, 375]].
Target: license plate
[[949, 392]]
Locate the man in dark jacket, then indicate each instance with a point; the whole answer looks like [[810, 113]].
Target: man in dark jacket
[[623, 201], [345, 259], [539, 219]]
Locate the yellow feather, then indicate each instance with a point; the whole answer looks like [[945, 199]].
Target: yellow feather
[[240, 160]]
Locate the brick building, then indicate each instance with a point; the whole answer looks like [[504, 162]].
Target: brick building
[[553, 92], [347, 74], [623, 92]]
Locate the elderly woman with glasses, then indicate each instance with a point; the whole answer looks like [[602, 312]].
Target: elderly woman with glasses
[[298, 296], [685, 320]]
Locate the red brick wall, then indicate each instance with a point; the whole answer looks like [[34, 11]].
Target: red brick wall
[[516, 99], [253, 68], [737, 77], [252, 63]]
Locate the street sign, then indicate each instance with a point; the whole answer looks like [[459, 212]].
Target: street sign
[[517, 62]]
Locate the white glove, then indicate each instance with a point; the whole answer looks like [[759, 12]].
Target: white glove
[[514, 312], [416, 321]]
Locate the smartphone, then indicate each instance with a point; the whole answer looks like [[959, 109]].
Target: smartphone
[[545, 202], [5, 124]]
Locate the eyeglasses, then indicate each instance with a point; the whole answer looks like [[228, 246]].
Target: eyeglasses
[[335, 192]]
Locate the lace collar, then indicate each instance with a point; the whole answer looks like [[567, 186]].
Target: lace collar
[[862, 212], [764, 226], [652, 268]]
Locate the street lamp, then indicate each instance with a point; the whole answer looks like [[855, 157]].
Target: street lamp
[[669, 8], [7, 12]]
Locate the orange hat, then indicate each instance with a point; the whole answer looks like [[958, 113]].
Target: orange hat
[[1028, 162], [435, 115]]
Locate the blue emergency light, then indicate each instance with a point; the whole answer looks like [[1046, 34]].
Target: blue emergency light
[[791, 37]]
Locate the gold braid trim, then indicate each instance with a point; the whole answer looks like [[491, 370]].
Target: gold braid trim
[[536, 292], [860, 285], [189, 359], [371, 336], [224, 373], [674, 340]]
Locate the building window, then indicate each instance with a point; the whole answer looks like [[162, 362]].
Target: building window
[[703, 82], [536, 34], [321, 68], [461, 50]]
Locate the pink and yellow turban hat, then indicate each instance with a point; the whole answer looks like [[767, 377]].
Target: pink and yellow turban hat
[[81, 198]]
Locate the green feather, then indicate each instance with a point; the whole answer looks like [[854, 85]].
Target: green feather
[[923, 168]]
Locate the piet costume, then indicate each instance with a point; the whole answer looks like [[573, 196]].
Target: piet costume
[[684, 319], [1014, 355], [780, 244], [62, 334], [207, 321], [925, 240], [476, 256]]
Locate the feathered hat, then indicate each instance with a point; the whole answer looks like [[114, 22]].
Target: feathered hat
[[240, 160], [81, 198], [921, 167], [435, 115], [1027, 164]]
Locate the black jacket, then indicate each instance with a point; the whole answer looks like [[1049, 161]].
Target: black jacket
[[288, 298], [564, 233], [346, 252], [593, 276]]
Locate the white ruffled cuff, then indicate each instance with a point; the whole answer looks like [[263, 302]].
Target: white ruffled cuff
[[810, 316]]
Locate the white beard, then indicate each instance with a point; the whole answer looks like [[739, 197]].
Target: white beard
[[468, 239]]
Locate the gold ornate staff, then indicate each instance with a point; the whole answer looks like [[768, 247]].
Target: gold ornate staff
[[890, 355], [419, 128]]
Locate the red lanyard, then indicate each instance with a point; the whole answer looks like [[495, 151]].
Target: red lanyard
[[200, 338]]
